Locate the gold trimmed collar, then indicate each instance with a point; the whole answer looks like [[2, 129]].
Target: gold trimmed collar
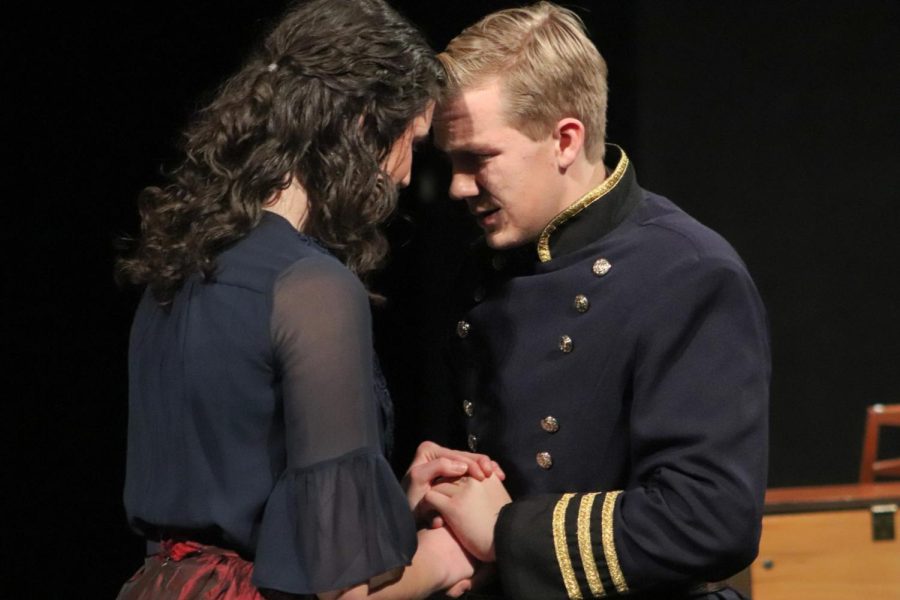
[[543, 245]]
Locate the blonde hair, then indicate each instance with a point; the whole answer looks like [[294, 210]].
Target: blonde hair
[[548, 67]]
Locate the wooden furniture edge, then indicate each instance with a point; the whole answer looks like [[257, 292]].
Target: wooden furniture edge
[[830, 497]]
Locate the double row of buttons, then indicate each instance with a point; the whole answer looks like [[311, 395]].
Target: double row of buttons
[[549, 423]]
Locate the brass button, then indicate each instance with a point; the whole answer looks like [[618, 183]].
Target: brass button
[[566, 344], [498, 261], [463, 329], [582, 304], [478, 294], [473, 442], [550, 424], [544, 460], [468, 408], [601, 267]]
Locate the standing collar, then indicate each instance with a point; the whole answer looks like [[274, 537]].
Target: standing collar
[[588, 219]]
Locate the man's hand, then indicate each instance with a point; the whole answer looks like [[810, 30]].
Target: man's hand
[[433, 463], [470, 508]]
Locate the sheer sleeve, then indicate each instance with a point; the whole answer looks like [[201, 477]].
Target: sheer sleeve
[[337, 515]]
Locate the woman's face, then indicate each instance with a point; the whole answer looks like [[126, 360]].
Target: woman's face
[[399, 162]]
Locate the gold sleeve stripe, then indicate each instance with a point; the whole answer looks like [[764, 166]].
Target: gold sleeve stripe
[[543, 247], [562, 547], [609, 543], [584, 545]]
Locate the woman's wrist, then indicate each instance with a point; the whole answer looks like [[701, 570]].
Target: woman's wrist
[[444, 562]]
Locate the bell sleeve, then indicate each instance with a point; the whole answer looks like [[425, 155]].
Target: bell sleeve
[[337, 516]]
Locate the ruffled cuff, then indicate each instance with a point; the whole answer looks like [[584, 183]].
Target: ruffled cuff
[[334, 525]]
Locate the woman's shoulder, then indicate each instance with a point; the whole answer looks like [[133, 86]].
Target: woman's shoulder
[[318, 293], [272, 251], [320, 274]]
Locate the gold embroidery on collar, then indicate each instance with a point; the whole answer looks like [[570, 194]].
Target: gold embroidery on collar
[[609, 543], [585, 547], [592, 196], [562, 547]]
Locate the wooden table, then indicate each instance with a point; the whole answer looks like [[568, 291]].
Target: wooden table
[[817, 543]]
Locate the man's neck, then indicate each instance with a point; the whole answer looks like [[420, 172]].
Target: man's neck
[[583, 178]]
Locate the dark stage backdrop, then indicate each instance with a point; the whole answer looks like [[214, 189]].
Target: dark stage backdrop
[[775, 123]]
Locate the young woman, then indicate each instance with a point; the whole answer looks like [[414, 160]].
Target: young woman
[[257, 408]]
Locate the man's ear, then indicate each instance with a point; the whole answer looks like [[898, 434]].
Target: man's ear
[[569, 137]]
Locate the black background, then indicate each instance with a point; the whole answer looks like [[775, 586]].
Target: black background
[[775, 123]]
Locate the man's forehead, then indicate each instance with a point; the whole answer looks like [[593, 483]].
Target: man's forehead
[[452, 123], [468, 114]]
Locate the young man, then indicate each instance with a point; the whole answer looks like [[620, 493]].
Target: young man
[[611, 352]]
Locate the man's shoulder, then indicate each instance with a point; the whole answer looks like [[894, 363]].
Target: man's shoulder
[[668, 234]]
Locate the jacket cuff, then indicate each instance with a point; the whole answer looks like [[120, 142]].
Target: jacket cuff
[[560, 546]]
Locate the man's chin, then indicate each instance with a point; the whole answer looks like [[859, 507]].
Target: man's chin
[[497, 241]]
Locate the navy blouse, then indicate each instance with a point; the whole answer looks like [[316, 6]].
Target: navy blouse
[[254, 419]]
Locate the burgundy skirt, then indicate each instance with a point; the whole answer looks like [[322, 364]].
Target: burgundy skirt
[[187, 571]]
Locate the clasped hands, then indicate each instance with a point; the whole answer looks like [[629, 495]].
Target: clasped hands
[[458, 495]]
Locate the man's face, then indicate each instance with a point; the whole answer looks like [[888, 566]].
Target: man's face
[[510, 183]]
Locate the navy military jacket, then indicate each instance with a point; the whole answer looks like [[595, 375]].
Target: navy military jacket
[[620, 375]]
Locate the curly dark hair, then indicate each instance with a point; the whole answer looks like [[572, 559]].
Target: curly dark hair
[[334, 85]]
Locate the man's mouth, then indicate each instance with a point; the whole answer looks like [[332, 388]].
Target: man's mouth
[[485, 217]]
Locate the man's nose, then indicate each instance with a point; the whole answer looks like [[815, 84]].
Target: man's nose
[[462, 186]]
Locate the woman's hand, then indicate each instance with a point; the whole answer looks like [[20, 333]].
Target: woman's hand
[[433, 463], [440, 563], [470, 508], [440, 549]]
